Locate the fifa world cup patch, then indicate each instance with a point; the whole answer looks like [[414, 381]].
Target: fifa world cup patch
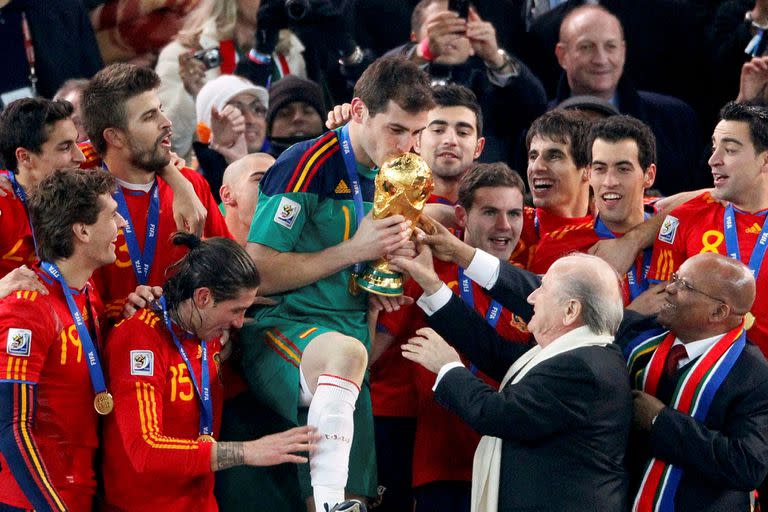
[[19, 342], [287, 212], [669, 229], [142, 363]]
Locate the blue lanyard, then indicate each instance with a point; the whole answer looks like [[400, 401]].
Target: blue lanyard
[[142, 262], [638, 281], [204, 392], [732, 241], [354, 182], [19, 191], [94, 365], [494, 308]]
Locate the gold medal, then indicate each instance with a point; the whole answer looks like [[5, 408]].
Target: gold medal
[[103, 403], [353, 288], [205, 438]]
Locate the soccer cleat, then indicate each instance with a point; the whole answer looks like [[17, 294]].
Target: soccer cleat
[[350, 506]]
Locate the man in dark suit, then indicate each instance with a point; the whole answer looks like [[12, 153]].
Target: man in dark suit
[[592, 53], [718, 454], [564, 407]]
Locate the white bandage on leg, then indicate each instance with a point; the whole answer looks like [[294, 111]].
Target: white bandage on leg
[[331, 414]]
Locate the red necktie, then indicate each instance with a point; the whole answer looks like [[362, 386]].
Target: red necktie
[[676, 354]]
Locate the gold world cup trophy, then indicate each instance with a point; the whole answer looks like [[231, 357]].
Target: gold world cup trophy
[[403, 185]]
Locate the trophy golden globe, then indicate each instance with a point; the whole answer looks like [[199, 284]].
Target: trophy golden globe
[[403, 185]]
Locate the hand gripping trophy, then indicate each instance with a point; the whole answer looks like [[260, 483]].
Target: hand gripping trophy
[[403, 185]]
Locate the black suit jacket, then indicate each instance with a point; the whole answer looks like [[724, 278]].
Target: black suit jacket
[[564, 425], [723, 459]]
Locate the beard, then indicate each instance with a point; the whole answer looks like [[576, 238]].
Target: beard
[[150, 159]]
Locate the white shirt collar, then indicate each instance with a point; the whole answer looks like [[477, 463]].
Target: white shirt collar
[[136, 186], [696, 348]]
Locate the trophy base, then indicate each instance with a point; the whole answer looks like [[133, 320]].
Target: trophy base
[[379, 282]]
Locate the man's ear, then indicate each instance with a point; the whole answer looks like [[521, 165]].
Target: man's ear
[[115, 137], [227, 197], [560, 54], [202, 297], [358, 110], [81, 231], [572, 312], [479, 147], [23, 157], [461, 215], [649, 176]]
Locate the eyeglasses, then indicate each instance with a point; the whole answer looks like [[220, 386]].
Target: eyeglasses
[[679, 281], [255, 107]]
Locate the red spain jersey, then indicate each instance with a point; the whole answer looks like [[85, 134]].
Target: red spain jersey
[[42, 348], [578, 238], [116, 281], [152, 460], [444, 445], [696, 227], [537, 222], [16, 245]]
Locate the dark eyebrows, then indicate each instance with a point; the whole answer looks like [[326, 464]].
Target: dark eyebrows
[[726, 140]]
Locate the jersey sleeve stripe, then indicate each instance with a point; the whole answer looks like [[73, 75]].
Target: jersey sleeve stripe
[[19, 448], [310, 168], [288, 342], [145, 396], [319, 143]]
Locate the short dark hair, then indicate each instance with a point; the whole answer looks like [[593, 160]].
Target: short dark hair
[[61, 200], [617, 128], [27, 123], [219, 264], [455, 95], [104, 98], [487, 175], [564, 127], [756, 116], [396, 79]]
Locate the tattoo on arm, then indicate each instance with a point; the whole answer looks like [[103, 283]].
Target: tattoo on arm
[[227, 455]]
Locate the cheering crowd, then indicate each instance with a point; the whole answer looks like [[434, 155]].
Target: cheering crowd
[[186, 230]]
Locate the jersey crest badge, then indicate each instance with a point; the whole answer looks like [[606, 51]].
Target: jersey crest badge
[[669, 229], [142, 363], [19, 342], [287, 212]]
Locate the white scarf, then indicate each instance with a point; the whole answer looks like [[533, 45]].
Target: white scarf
[[486, 467]]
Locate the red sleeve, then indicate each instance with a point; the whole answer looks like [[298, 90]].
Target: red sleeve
[[27, 328], [214, 223], [669, 251], [138, 395]]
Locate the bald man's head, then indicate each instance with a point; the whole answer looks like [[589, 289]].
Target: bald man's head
[[728, 279], [240, 188], [591, 51]]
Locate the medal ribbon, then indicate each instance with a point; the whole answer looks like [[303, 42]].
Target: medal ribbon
[[637, 277], [142, 262], [19, 191], [204, 389], [732, 241], [494, 308], [693, 395], [92, 354], [354, 182]]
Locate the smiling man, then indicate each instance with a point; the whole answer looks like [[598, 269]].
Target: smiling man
[[558, 161], [739, 164], [623, 152], [126, 123]]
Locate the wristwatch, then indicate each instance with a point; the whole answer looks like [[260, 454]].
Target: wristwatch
[[508, 61]]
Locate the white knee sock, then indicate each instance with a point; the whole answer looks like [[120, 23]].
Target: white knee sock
[[331, 414]]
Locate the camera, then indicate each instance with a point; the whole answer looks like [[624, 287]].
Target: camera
[[210, 57]]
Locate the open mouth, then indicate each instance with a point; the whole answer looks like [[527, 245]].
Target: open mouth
[[611, 198], [719, 179], [542, 184], [500, 242]]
